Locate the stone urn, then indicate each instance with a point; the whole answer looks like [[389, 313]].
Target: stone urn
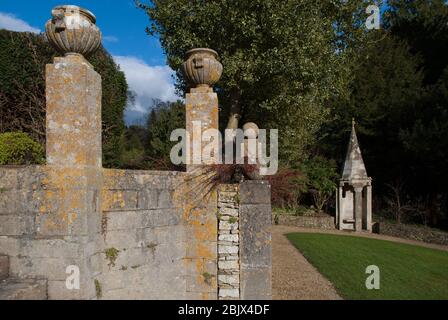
[[202, 68], [72, 30]]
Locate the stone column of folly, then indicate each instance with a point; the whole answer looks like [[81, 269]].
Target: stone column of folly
[[73, 132], [354, 195]]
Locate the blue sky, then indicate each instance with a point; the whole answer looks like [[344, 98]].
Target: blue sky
[[123, 26]]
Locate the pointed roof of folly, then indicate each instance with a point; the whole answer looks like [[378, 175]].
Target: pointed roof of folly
[[354, 168]]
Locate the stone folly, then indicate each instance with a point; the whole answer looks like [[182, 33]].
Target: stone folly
[[354, 195], [124, 234]]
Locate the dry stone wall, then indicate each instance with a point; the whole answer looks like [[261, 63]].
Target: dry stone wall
[[228, 243]]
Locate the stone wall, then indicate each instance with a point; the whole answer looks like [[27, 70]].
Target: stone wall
[[244, 244], [142, 250], [314, 222], [228, 243], [255, 240], [413, 232], [148, 240], [40, 235]]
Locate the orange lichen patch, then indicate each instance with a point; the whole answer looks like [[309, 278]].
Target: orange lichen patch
[[112, 178], [198, 207], [204, 251], [112, 199], [64, 199], [109, 197]]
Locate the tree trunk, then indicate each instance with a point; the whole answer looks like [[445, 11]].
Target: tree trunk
[[235, 109]]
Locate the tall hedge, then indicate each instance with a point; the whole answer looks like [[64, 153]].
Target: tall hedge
[[23, 57]]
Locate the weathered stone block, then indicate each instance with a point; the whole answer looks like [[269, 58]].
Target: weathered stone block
[[226, 225], [8, 179], [230, 280], [4, 267], [256, 283], [228, 237], [50, 268], [14, 289], [16, 225], [148, 198], [57, 290], [228, 197], [233, 212], [255, 251], [119, 200], [255, 235], [227, 265], [223, 249], [229, 293], [255, 192], [52, 248]]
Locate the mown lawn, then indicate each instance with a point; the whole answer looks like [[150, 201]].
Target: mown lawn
[[406, 271]]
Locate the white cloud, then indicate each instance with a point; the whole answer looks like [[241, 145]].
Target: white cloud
[[110, 39], [148, 82], [10, 22]]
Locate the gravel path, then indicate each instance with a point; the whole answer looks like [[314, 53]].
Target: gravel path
[[293, 277]]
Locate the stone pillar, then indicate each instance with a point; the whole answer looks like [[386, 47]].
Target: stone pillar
[[202, 70], [73, 113], [368, 209], [255, 241], [339, 203], [201, 115], [70, 207], [358, 208]]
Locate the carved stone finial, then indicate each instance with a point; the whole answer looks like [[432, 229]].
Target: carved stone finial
[[251, 130], [202, 68], [72, 30]]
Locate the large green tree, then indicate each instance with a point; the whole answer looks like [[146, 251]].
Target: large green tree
[[398, 96], [165, 117], [282, 60], [23, 57]]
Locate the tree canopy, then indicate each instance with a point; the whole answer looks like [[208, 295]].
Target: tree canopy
[[283, 59]]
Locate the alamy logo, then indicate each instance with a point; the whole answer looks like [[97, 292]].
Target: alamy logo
[[374, 19], [205, 147], [72, 281], [373, 280]]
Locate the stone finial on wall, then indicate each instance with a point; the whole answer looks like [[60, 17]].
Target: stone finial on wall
[[73, 90], [202, 68], [72, 30]]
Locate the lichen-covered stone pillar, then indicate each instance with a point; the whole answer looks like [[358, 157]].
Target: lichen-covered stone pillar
[[73, 113], [201, 115], [255, 246], [70, 207], [202, 69], [358, 208]]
